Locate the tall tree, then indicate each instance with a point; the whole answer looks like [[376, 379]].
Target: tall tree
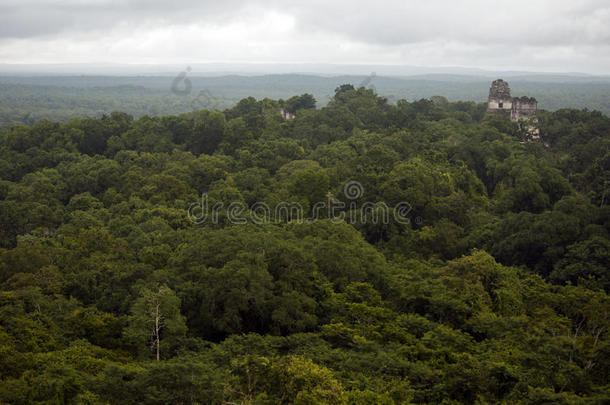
[[156, 315]]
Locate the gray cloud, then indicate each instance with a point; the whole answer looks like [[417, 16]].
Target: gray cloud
[[474, 21], [34, 18], [384, 22], [540, 33]]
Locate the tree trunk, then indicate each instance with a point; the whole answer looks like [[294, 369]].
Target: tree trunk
[[157, 329]]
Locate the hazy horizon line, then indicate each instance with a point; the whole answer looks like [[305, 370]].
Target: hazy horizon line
[[264, 68]]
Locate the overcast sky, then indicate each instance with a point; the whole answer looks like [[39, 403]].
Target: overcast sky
[[536, 35]]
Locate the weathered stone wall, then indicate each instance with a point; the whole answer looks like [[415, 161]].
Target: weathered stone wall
[[499, 89], [507, 104], [501, 102], [524, 108]]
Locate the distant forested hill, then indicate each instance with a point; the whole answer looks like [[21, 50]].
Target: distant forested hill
[[28, 99]]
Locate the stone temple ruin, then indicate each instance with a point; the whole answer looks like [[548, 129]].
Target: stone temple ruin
[[516, 108]]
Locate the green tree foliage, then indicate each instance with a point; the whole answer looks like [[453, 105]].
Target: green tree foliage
[[491, 288], [295, 103]]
